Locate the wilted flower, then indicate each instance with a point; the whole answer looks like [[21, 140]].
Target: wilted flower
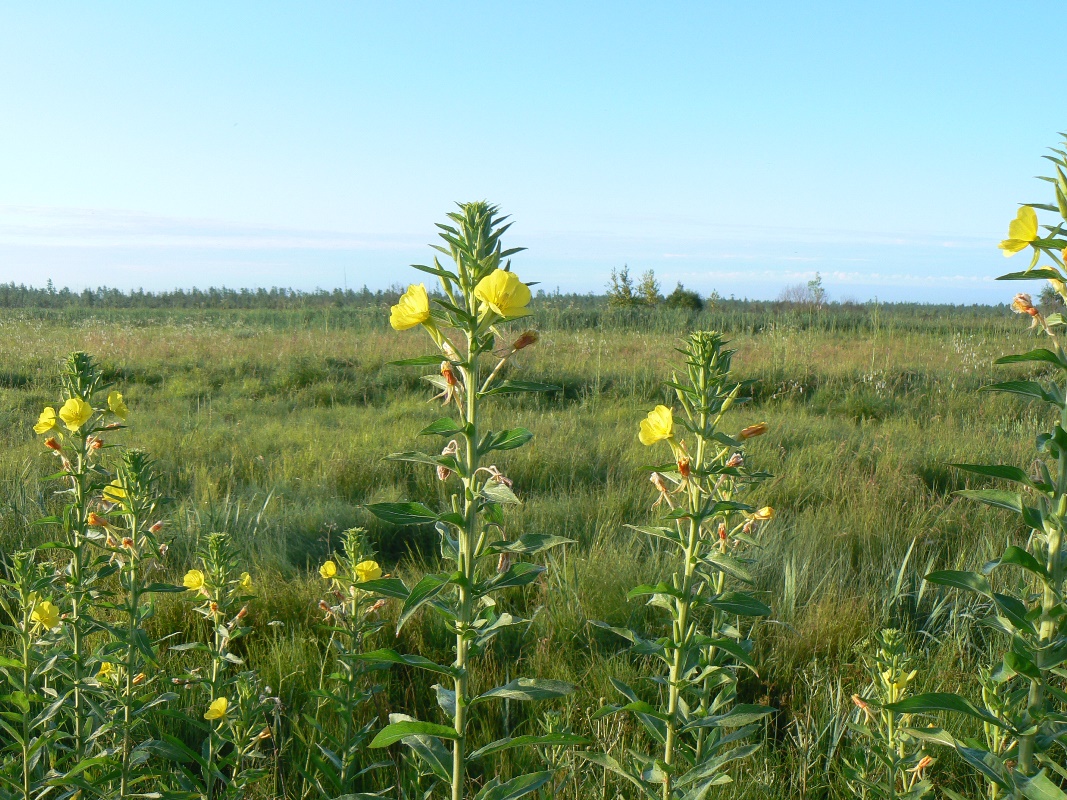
[[452, 386], [328, 570], [863, 706], [193, 580], [1023, 304], [156, 527], [217, 709], [504, 294], [450, 449], [52, 444], [96, 521], [526, 338], [657, 426], [503, 564], [920, 768], [1021, 231], [412, 309], [736, 460], [664, 494], [75, 413]]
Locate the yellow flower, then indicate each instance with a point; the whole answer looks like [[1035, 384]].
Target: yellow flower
[[368, 571], [753, 430], [193, 580], [75, 413], [1021, 231], [46, 615], [412, 309], [217, 709], [46, 421], [105, 671], [117, 405], [657, 426], [504, 293], [328, 570], [114, 493], [246, 582], [764, 514]]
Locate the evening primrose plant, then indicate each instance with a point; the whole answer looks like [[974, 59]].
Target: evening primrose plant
[[696, 724], [1025, 708], [467, 322]]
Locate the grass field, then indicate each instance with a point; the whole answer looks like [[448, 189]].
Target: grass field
[[272, 425]]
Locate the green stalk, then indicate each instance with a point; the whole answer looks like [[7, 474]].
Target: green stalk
[[77, 568], [26, 716], [131, 660]]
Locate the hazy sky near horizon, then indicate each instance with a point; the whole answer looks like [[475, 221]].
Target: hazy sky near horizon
[[728, 146]]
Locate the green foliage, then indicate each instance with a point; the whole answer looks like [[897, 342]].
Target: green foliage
[[684, 299]]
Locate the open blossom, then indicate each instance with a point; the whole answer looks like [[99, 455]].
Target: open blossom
[[46, 615], [106, 670], [75, 413], [46, 421], [245, 582], [114, 493], [657, 426], [412, 309], [764, 514], [193, 580], [217, 709], [368, 571], [1021, 231], [117, 405], [504, 294], [328, 570]]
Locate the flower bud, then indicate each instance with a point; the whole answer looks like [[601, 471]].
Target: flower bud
[[752, 431], [157, 527], [448, 374], [764, 514], [243, 612], [138, 679], [722, 530], [52, 444]]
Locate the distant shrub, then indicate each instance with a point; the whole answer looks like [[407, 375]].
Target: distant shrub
[[685, 299]]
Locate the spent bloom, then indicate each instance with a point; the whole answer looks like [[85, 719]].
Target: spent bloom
[[46, 421], [52, 444], [526, 338], [193, 580], [117, 405], [368, 571], [1021, 231], [217, 709], [657, 426], [504, 294], [1023, 304], [328, 570], [412, 309], [75, 413]]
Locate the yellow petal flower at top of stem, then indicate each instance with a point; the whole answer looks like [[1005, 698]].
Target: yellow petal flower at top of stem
[[1021, 231], [193, 580], [114, 493], [657, 426], [46, 421], [503, 293], [117, 405], [412, 309], [46, 615], [368, 571], [217, 709], [75, 413], [246, 582], [328, 570]]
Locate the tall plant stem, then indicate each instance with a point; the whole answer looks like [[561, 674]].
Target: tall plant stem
[[132, 662], [77, 568], [467, 543]]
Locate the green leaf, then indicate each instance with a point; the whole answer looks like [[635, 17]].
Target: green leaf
[[396, 731], [970, 581], [994, 497], [740, 604], [515, 788], [547, 740], [1015, 612], [420, 361], [504, 440], [1044, 273], [424, 591], [730, 565], [527, 689], [1017, 557], [387, 587], [519, 574], [496, 492], [612, 765], [513, 387], [1031, 389], [387, 656], [415, 457], [402, 513], [1039, 787], [943, 701], [1040, 354], [653, 589], [529, 544], [736, 717], [442, 427], [1005, 472]]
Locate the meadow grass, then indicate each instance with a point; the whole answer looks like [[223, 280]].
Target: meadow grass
[[273, 424]]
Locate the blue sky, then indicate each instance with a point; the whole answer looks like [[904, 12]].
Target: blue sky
[[739, 147]]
